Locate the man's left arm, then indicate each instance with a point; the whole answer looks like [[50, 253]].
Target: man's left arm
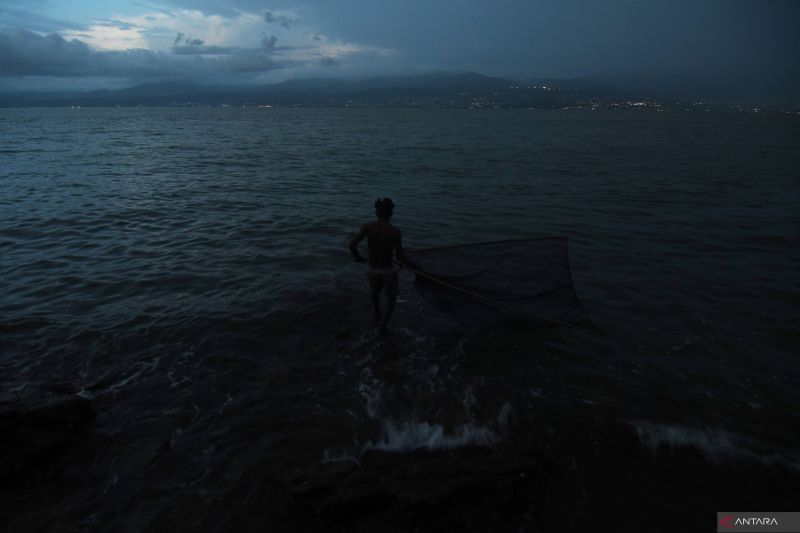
[[401, 256]]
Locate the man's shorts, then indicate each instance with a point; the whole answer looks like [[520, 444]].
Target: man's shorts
[[383, 279]]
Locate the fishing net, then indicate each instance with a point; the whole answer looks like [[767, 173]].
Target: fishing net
[[517, 281]]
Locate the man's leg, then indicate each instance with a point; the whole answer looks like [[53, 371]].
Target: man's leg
[[375, 294], [376, 304], [391, 298]]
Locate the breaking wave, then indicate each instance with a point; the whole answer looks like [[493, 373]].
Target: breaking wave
[[410, 436], [716, 444]]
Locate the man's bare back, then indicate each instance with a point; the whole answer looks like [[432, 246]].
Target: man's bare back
[[383, 238]]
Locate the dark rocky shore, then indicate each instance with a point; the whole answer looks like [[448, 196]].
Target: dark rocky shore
[[471, 489], [606, 478], [592, 471], [36, 431]]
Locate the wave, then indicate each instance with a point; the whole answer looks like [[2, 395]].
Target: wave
[[410, 436], [717, 445]]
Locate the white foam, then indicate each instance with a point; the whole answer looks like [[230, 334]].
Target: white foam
[[83, 393], [140, 367], [330, 457], [505, 413], [413, 435], [399, 435], [410, 436], [714, 443], [19, 388], [711, 440], [469, 401], [370, 391]]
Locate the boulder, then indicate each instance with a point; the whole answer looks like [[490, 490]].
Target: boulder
[[464, 489], [35, 431]]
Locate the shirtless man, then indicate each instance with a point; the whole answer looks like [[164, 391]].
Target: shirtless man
[[382, 239]]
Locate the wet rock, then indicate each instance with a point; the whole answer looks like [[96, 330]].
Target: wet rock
[[321, 481], [36, 431], [464, 489]]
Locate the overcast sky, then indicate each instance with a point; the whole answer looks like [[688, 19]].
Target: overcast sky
[[749, 47]]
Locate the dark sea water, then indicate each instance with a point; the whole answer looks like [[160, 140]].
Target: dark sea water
[[187, 270]]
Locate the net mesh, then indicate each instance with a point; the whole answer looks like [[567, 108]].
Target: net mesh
[[519, 281]]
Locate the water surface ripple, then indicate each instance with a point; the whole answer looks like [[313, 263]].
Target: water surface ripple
[[187, 270]]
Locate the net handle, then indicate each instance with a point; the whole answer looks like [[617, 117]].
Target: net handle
[[505, 241]]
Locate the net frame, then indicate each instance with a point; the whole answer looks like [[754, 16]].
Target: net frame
[[556, 305]]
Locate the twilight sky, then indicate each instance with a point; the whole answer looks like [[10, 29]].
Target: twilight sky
[[735, 47]]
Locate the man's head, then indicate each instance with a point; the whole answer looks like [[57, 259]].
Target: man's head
[[384, 207]]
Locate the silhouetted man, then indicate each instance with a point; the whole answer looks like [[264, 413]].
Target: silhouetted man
[[383, 238]]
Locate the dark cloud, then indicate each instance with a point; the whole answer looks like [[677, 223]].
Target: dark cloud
[[182, 40], [714, 45], [249, 61], [750, 44], [269, 42], [327, 61], [203, 50], [283, 20], [24, 53]]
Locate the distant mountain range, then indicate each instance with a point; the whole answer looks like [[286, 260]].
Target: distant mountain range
[[430, 90]]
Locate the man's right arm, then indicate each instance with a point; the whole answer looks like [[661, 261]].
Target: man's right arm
[[354, 244]]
